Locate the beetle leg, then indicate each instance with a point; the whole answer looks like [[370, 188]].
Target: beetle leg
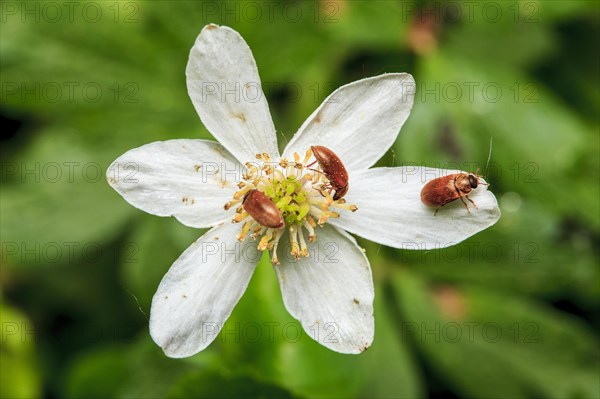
[[438, 208], [320, 172], [471, 201], [463, 201], [327, 188]]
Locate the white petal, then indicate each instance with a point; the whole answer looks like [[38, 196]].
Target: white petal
[[189, 179], [359, 121], [331, 291], [224, 85], [200, 290], [390, 210]]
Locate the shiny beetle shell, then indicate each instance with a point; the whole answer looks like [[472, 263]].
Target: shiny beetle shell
[[333, 169], [262, 209], [443, 190]]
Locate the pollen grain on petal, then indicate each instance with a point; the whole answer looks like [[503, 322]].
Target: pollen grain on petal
[[317, 118], [239, 115]]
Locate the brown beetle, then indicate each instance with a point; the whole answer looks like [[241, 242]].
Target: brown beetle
[[443, 190], [333, 169], [262, 209]]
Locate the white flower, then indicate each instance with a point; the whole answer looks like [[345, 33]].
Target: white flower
[[324, 275]]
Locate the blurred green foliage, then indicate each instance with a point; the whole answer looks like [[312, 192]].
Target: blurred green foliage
[[511, 312]]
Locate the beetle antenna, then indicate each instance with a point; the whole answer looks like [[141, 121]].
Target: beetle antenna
[[487, 165]]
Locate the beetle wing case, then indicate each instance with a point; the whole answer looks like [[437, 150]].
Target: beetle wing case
[[439, 192], [262, 209], [333, 168]]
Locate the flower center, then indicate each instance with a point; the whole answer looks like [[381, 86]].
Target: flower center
[[302, 194]]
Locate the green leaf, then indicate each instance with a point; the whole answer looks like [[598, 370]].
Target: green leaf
[[19, 372], [354, 23], [214, 385], [486, 343], [512, 258], [388, 367], [55, 200], [385, 370], [525, 37], [136, 369], [153, 245], [151, 374], [99, 374]]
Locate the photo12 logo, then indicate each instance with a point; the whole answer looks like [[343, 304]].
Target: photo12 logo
[[471, 332], [67, 252], [326, 12], [491, 12], [70, 92], [54, 12], [269, 332], [51, 172]]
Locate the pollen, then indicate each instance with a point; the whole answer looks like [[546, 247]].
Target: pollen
[[301, 193]]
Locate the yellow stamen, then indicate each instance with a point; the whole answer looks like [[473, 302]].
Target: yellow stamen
[[275, 243], [294, 242], [302, 194], [244, 231], [303, 247], [307, 156], [311, 231], [264, 242], [238, 217]]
